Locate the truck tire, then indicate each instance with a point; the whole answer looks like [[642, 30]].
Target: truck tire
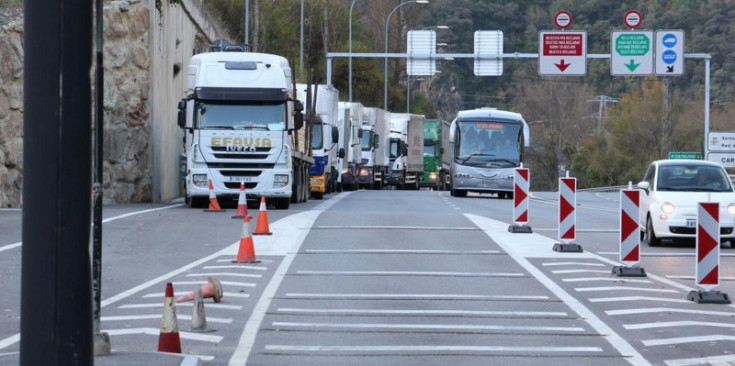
[[318, 195], [282, 203], [196, 202], [459, 193]]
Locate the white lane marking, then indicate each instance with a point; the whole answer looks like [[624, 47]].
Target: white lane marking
[[426, 349], [10, 246], [533, 314], [664, 310], [573, 264], [413, 296], [158, 316], [187, 304], [235, 266], [604, 279], [408, 273], [10, 341], [622, 288], [681, 340], [638, 298], [687, 323], [424, 326], [714, 360], [156, 332], [388, 227], [228, 283], [522, 247], [563, 271], [291, 234], [224, 274], [224, 294], [230, 260], [399, 251]]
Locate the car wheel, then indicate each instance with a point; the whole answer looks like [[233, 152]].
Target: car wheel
[[651, 238]]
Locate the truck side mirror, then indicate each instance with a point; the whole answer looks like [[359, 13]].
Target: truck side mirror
[[405, 150], [376, 142], [359, 133], [298, 120], [181, 120], [335, 135], [441, 151], [341, 153]]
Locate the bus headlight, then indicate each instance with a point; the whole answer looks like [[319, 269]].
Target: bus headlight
[[461, 175]]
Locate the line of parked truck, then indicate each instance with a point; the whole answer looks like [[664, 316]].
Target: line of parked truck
[[246, 121]]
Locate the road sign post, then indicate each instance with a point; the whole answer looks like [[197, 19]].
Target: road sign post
[[707, 273], [520, 202], [567, 216]]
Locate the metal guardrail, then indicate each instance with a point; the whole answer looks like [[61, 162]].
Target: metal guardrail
[[605, 189]]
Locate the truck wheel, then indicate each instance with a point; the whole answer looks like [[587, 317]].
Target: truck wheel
[[196, 202], [318, 195], [282, 203], [459, 193]]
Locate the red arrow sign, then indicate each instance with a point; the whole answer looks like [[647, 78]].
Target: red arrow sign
[[562, 65]]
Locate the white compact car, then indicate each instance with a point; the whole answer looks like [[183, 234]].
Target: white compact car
[[670, 192]]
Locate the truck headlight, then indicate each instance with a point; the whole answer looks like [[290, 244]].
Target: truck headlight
[[200, 180], [731, 209], [280, 180], [667, 208], [432, 175]]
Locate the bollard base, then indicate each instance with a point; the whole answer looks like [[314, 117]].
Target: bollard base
[[101, 341], [709, 297], [247, 261], [568, 248], [623, 271], [520, 229]]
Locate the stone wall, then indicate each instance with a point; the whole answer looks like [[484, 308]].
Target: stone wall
[[143, 48]]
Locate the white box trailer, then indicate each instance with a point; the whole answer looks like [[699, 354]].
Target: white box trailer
[[380, 121], [406, 150], [350, 124]]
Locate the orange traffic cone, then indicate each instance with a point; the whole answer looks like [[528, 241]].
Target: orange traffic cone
[[168, 340], [213, 289], [242, 203], [213, 204], [246, 253], [261, 227]]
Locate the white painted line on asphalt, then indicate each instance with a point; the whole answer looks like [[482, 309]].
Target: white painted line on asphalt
[[682, 340], [178, 304], [228, 283], [413, 296], [10, 246], [670, 310], [713, 361], [290, 235], [235, 266], [522, 247], [177, 294], [158, 316], [230, 260], [564, 271], [605, 279], [10, 341], [573, 264], [140, 212], [432, 349], [687, 323], [408, 273], [623, 288], [469, 313], [388, 227], [638, 298], [399, 251], [454, 327], [224, 274], [156, 332]]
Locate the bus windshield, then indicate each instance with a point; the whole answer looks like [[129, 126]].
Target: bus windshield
[[488, 144], [240, 116]]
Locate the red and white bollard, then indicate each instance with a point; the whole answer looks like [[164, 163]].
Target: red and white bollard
[[707, 274], [630, 243], [520, 201], [567, 215]]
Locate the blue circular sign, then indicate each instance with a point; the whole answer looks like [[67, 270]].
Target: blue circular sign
[[669, 40], [668, 57]]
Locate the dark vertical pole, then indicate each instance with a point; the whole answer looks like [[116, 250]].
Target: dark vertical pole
[[56, 301], [97, 188]]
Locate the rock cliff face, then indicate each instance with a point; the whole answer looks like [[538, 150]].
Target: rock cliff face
[[140, 43]]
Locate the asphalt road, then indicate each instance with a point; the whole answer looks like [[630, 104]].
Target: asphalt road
[[394, 277]]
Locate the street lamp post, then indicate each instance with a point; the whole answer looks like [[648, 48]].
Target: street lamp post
[[350, 57], [385, 66]]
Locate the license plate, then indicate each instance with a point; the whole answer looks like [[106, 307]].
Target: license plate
[[691, 223], [240, 179]]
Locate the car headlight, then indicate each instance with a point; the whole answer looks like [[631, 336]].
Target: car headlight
[[731, 209], [667, 208]]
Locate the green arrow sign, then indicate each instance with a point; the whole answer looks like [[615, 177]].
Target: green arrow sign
[[633, 44], [632, 65]]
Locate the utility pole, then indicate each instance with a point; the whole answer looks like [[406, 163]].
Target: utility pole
[[602, 111]]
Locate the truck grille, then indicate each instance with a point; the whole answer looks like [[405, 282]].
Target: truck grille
[[236, 185]]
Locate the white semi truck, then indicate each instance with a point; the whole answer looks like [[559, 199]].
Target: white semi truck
[[350, 139], [375, 157], [243, 125], [324, 138], [406, 150]]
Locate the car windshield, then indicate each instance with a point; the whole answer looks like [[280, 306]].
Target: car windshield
[[240, 116], [692, 178]]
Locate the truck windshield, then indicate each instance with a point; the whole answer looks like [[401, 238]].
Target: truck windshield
[[394, 148], [429, 148], [488, 143], [316, 137], [367, 142], [240, 116]]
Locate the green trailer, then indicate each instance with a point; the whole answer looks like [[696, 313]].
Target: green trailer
[[436, 151]]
